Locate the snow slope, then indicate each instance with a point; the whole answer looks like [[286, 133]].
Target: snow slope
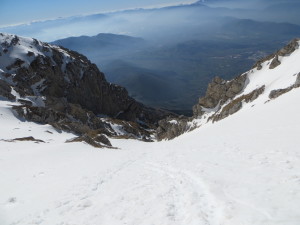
[[242, 170]]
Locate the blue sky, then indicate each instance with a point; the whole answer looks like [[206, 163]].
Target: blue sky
[[23, 11]]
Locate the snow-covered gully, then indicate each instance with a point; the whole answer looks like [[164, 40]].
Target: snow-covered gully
[[241, 170]]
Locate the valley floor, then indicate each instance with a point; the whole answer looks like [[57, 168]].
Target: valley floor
[[243, 170]]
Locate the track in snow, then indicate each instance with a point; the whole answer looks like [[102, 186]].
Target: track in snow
[[190, 202]]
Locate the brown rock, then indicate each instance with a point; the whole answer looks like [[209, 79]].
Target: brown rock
[[171, 127], [218, 92], [97, 141], [236, 104], [275, 62], [297, 82], [285, 51]]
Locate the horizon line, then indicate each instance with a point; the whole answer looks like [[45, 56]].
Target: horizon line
[[97, 13]]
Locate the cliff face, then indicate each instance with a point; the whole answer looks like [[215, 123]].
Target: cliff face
[[224, 98], [51, 71], [275, 57], [218, 92], [52, 84]]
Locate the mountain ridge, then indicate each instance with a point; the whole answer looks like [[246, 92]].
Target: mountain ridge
[[189, 65], [242, 169], [222, 99], [57, 86], [225, 98]]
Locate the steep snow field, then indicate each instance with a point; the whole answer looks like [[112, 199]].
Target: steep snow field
[[243, 170]]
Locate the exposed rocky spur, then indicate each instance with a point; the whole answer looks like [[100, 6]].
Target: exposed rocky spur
[[61, 87], [224, 98]]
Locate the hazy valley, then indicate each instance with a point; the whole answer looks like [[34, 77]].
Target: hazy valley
[[155, 112]]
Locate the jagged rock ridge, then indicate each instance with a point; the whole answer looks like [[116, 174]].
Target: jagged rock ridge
[[285, 51], [224, 98], [62, 87]]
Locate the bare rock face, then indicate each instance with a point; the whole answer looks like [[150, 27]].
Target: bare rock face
[[220, 99], [218, 92], [285, 51], [276, 93], [224, 98], [60, 73], [275, 62], [297, 82], [171, 127], [258, 64], [236, 104], [62, 87], [289, 48]]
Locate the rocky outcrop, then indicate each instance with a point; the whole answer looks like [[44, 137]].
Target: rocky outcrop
[[81, 122], [258, 64], [297, 82], [219, 102], [30, 138], [171, 127], [285, 51], [278, 92], [289, 48], [275, 62], [236, 104], [218, 92], [69, 75], [95, 140], [61, 87], [224, 98]]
